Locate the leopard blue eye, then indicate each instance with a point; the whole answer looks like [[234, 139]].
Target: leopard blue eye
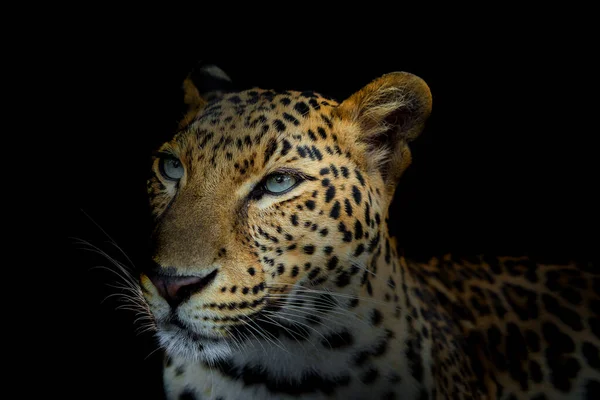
[[171, 168], [280, 183]]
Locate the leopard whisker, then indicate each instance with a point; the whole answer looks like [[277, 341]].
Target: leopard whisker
[[248, 323], [326, 315], [279, 314]]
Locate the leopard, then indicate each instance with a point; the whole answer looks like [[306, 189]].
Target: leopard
[[273, 273]]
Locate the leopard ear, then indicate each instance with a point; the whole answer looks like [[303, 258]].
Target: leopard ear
[[387, 114], [205, 83]]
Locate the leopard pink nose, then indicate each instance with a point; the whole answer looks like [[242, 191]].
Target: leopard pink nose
[[177, 289]]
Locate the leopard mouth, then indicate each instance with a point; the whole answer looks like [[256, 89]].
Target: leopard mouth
[[236, 327]]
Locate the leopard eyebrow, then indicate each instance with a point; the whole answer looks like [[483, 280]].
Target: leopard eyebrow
[[163, 153], [293, 171]]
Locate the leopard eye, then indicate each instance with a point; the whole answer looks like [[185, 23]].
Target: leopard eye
[[171, 168], [280, 183]]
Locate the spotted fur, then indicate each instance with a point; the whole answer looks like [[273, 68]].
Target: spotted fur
[[302, 294]]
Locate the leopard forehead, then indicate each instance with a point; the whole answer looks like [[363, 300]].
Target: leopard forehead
[[254, 119]]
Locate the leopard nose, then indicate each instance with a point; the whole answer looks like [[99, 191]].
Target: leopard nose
[[177, 289]]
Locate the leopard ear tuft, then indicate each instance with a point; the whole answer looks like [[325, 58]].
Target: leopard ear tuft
[[389, 112], [206, 82]]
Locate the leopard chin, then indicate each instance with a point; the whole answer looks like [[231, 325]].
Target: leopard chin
[[191, 346]]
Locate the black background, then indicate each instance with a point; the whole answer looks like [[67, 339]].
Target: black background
[[506, 164]]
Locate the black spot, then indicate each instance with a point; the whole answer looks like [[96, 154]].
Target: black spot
[[310, 204], [376, 317], [334, 170], [381, 347], [359, 177], [337, 340], [322, 132], [369, 376], [353, 302], [294, 219], [327, 250], [251, 271], [571, 295], [533, 341], [280, 269], [414, 360], [295, 271], [494, 264], [359, 250], [187, 394], [279, 125], [373, 243], [591, 355], [522, 301], [309, 249], [271, 147], [329, 194], [525, 267], [345, 172], [291, 118], [335, 210], [559, 345], [592, 390], [324, 171], [233, 289], [347, 207], [312, 274], [343, 279], [566, 315], [387, 252], [312, 135], [358, 230], [535, 371], [332, 263], [497, 304], [361, 357], [516, 352], [325, 182], [302, 108], [317, 153], [594, 324], [286, 147], [391, 283], [324, 232], [314, 104]]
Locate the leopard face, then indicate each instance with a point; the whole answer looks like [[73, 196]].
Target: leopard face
[[272, 205]]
